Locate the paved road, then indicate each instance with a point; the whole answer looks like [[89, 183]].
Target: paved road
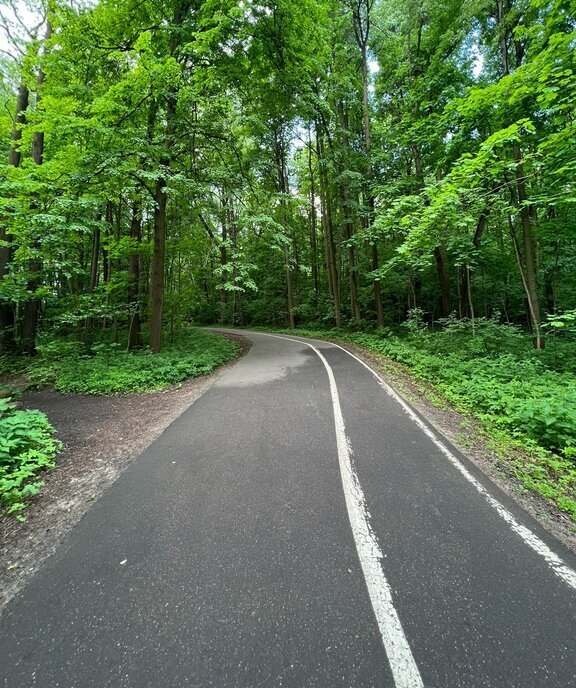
[[296, 527]]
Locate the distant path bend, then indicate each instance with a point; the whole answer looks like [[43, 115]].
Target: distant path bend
[[297, 526]]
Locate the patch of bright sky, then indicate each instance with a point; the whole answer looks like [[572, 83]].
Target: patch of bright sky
[[19, 21], [478, 65]]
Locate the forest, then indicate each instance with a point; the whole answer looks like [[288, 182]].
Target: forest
[[398, 173]]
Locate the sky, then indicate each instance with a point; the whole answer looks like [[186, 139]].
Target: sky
[[16, 20]]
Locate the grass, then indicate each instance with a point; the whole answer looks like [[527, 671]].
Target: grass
[[525, 400], [107, 368]]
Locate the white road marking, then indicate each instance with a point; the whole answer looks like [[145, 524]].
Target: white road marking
[[402, 664], [560, 568]]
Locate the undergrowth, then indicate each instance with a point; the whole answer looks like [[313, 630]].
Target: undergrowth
[[107, 368], [27, 446], [524, 398]]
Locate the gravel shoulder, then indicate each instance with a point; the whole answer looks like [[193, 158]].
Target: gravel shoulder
[[101, 437]]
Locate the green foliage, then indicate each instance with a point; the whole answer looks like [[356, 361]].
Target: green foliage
[[27, 446], [106, 368], [495, 375]]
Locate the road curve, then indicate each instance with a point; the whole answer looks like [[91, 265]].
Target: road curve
[[298, 526]]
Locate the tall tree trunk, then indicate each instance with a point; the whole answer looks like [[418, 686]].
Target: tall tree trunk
[[329, 245], [22, 99], [526, 250], [237, 306], [440, 253], [32, 307], [161, 198], [362, 23], [313, 225], [157, 267], [348, 221], [223, 261], [502, 37], [528, 255], [134, 334], [14, 157], [283, 189], [465, 288], [442, 269], [95, 259]]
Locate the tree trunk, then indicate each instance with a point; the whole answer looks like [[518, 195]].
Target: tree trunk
[[465, 306], [94, 259], [330, 248], [363, 43], [32, 307], [348, 221], [134, 334], [283, 189], [157, 267], [22, 99], [526, 257], [502, 37], [161, 198], [528, 260], [223, 261], [443, 278], [313, 225], [14, 158]]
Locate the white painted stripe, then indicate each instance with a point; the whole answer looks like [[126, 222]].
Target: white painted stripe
[[402, 664], [560, 568]]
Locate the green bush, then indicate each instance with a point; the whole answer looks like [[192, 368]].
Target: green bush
[[27, 446], [106, 368]]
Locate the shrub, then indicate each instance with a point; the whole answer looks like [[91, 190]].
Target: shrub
[[106, 368], [27, 446]]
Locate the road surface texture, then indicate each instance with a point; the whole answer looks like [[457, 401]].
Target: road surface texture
[[298, 526]]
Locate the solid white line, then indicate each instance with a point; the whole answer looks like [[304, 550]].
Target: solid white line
[[402, 664], [560, 568]]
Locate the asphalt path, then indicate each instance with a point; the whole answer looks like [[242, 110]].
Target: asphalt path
[[298, 526]]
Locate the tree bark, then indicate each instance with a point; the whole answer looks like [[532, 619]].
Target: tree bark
[[94, 261], [330, 248], [157, 267], [313, 225], [32, 307], [362, 39], [134, 334], [348, 220], [161, 198], [283, 189], [525, 256], [528, 259], [442, 269], [223, 261], [14, 158]]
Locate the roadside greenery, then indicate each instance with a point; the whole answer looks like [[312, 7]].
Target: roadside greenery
[[27, 446], [107, 368], [524, 398]]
